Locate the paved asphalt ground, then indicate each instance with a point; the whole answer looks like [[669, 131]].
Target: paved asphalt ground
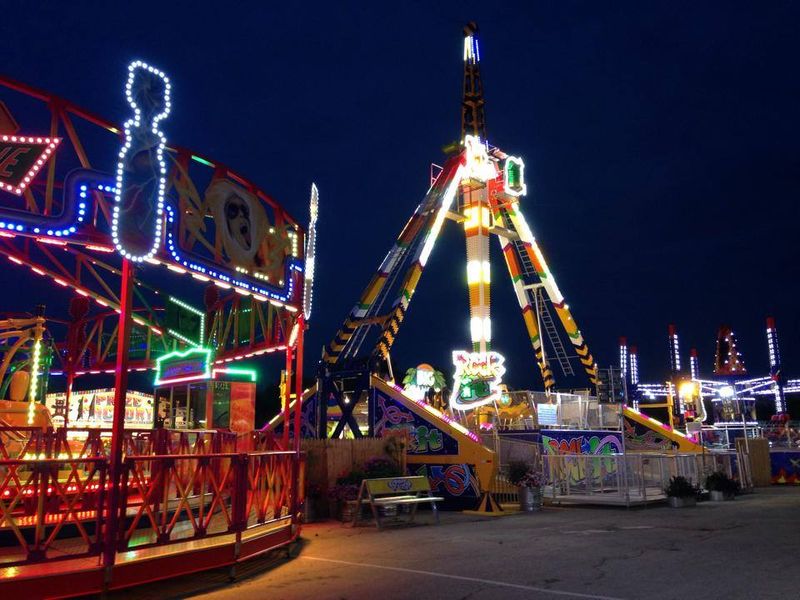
[[746, 549]]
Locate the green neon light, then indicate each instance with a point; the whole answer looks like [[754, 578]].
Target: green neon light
[[203, 161], [206, 352], [192, 310], [252, 374]]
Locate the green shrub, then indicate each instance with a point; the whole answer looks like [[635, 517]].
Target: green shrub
[[720, 482], [680, 487]]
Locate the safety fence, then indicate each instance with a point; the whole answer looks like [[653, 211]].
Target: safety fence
[[54, 509], [526, 410], [51, 509], [171, 498], [507, 451], [783, 434], [629, 478], [38, 443]]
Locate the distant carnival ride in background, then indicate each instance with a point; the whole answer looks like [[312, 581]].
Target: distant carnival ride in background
[[727, 403]]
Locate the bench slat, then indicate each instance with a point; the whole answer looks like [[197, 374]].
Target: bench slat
[[406, 500]]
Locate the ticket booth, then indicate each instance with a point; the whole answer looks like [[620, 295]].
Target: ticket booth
[[192, 393]]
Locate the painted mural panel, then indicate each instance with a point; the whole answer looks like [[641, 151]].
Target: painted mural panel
[[639, 438], [425, 438], [581, 442], [457, 484], [785, 467], [592, 473]]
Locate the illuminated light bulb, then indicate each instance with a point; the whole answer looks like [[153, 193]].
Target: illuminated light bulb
[[476, 328], [473, 272]]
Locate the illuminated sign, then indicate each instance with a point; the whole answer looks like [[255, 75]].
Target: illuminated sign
[[142, 171], [477, 379], [514, 177], [188, 365], [21, 158], [418, 381], [311, 245]]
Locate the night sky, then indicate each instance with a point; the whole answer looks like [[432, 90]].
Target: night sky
[[661, 140]]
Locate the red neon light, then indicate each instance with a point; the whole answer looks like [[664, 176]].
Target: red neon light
[[50, 241], [21, 158]]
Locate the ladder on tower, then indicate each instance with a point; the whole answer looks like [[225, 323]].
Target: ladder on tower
[[546, 319], [524, 260], [539, 301]]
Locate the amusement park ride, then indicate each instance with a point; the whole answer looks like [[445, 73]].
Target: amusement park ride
[[132, 229], [480, 188], [168, 262], [729, 398], [66, 216]]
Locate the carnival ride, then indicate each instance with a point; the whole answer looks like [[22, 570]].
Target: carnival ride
[[25, 348], [727, 398], [479, 187], [729, 405], [136, 235]]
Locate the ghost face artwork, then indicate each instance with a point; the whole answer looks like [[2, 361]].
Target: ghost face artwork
[[237, 221], [241, 224]]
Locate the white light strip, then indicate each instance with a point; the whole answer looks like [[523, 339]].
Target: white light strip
[[135, 127]]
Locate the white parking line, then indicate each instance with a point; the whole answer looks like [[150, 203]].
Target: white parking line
[[530, 588]]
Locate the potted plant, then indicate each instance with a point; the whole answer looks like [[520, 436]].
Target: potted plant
[[721, 486], [681, 492], [345, 492], [530, 484]]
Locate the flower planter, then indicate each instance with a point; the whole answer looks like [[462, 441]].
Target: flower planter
[[676, 502], [718, 496], [530, 499], [348, 510]]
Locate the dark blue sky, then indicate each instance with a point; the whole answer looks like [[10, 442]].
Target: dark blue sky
[[661, 142]]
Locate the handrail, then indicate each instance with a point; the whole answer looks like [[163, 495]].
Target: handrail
[[146, 457]]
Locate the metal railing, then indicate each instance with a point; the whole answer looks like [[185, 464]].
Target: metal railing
[[173, 498], [51, 509], [783, 435], [627, 478], [533, 409], [55, 509], [86, 442], [507, 451]]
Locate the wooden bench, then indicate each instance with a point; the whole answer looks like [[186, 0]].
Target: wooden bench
[[395, 491]]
